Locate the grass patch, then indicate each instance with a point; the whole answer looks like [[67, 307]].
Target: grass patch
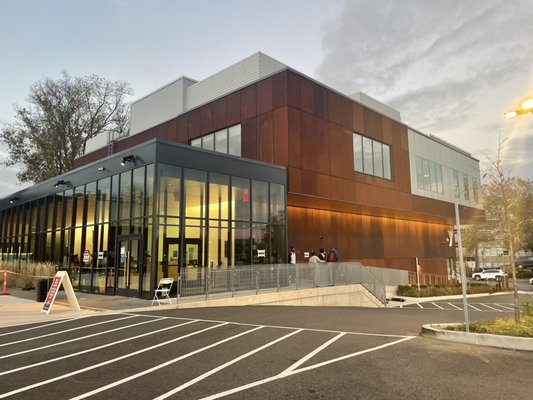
[[505, 326], [444, 290]]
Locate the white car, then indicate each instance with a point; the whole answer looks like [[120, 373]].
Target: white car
[[531, 281], [493, 273]]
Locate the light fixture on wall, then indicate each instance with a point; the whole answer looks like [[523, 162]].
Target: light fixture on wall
[[60, 183], [127, 159], [13, 200]]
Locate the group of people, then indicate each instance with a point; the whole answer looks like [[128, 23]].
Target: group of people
[[333, 256]]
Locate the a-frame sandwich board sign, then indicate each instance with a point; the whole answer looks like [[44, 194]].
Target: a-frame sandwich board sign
[[61, 277]]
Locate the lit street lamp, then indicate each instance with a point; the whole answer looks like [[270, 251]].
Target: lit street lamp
[[525, 107]]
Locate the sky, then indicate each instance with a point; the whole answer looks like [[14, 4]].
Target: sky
[[451, 67]]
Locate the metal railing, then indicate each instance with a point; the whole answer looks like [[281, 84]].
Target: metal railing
[[205, 283]]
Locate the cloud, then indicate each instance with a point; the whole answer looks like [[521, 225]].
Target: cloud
[[451, 68]]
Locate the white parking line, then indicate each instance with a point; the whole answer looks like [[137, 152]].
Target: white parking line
[[45, 325], [453, 305], [80, 371], [67, 330], [436, 305], [475, 308], [95, 348], [77, 339], [165, 364], [492, 308], [312, 354], [221, 367], [419, 305], [505, 307], [280, 376]]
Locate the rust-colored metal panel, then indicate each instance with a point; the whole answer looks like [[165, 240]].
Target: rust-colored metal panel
[[372, 124], [265, 137], [401, 130], [293, 89], [387, 131], [337, 189], [321, 101], [350, 188], [346, 154], [233, 108], [307, 95], [373, 240], [323, 185], [248, 102], [308, 143], [323, 151], [264, 96], [206, 119], [309, 183], [295, 180], [335, 152], [281, 136], [194, 123], [358, 118], [249, 139], [219, 114], [279, 90], [183, 133], [295, 158], [401, 176], [340, 110]]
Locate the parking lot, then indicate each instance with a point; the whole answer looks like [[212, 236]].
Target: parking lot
[[261, 352]]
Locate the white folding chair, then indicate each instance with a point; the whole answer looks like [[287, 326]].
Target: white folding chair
[[163, 291]]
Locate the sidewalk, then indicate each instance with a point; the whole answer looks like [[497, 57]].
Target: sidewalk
[[19, 307]]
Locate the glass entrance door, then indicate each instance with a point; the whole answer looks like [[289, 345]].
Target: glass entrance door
[[129, 267]]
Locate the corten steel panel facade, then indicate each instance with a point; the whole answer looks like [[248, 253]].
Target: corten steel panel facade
[[290, 120]]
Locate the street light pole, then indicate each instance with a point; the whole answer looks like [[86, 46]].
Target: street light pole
[[462, 266]]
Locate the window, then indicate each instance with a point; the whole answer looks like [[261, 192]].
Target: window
[[456, 188], [371, 157], [226, 141], [466, 188], [474, 190], [429, 175]]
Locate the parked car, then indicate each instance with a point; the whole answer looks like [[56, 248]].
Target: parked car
[[492, 273], [524, 263], [531, 281]]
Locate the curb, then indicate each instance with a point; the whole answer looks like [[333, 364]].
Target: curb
[[439, 331]]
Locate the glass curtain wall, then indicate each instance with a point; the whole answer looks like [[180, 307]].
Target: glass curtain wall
[[204, 222]]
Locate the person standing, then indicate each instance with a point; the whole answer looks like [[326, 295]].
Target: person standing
[[322, 254], [292, 255], [313, 263], [333, 257]]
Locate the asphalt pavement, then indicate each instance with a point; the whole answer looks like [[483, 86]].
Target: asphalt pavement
[[264, 352]]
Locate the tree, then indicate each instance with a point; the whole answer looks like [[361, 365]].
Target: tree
[[61, 115], [509, 211]]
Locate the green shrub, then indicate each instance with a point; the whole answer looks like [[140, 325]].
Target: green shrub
[[443, 290]]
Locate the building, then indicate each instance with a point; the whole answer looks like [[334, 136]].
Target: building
[[255, 157]]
